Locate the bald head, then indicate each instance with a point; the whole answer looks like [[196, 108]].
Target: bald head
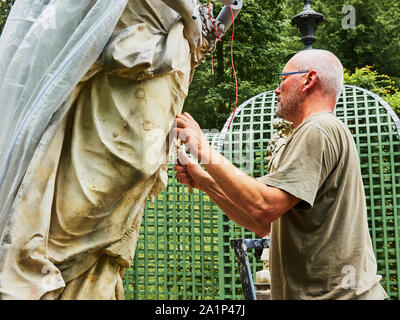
[[328, 67]]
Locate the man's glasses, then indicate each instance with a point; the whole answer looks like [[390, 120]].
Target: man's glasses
[[280, 80]]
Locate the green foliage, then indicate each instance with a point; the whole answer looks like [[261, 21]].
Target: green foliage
[[263, 38], [257, 54], [394, 102], [375, 40], [383, 85], [5, 7]]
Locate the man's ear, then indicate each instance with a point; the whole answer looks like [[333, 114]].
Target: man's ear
[[310, 80]]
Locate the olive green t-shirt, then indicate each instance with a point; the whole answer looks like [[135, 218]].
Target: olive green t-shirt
[[321, 249]]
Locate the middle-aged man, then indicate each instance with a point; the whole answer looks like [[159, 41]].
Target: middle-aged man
[[313, 203]]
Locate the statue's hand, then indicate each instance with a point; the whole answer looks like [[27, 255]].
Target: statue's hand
[[193, 33], [189, 11]]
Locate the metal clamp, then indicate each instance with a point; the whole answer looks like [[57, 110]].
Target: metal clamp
[[225, 16], [240, 247]]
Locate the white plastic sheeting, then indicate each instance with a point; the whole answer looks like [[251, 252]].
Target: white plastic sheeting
[[46, 48]]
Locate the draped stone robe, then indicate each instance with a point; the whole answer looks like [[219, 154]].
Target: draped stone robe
[[78, 210]]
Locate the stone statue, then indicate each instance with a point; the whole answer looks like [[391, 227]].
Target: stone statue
[[283, 129], [276, 144], [76, 215]]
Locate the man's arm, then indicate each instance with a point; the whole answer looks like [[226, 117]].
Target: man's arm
[[192, 174], [230, 208], [253, 198], [263, 203]]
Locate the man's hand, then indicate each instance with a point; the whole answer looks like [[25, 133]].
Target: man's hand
[[192, 136], [191, 173]]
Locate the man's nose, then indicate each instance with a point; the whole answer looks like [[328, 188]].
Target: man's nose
[[278, 91]]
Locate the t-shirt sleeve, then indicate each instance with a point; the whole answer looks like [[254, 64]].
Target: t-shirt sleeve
[[305, 163]]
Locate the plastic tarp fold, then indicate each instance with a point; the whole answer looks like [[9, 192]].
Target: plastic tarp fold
[[46, 48]]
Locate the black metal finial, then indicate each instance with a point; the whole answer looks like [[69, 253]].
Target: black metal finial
[[307, 22]]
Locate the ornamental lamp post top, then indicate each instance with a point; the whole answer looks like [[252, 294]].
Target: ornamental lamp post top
[[307, 21]]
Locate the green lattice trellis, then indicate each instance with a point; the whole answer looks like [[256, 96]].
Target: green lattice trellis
[[177, 252], [183, 250]]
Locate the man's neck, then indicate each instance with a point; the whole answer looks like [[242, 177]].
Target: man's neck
[[313, 106]]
